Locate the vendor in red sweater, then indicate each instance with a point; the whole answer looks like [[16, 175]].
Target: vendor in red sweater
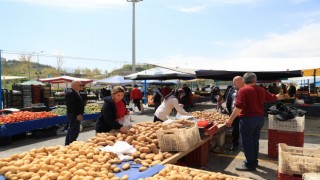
[[249, 108], [136, 96]]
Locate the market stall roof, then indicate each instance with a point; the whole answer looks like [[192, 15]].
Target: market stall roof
[[63, 79], [165, 82], [114, 80], [311, 72], [261, 75], [32, 82], [160, 73], [250, 64], [12, 77]]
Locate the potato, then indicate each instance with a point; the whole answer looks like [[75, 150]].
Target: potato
[[154, 148], [125, 177], [126, 166], [143, 155], [158, 157], [141, 138], [143, 168], [155, 162], [116, 170], [111, 138], [129, 139], [150, 156], [144, 150]]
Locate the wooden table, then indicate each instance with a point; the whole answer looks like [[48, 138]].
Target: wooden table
[[173, 159]]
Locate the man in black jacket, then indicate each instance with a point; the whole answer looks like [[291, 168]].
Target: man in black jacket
[[230, 104], [75, 110]]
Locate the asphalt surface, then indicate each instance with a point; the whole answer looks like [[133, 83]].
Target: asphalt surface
[[221, 159]]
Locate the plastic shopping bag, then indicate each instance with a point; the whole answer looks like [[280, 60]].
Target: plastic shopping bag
[[126, 121], [141, 107]]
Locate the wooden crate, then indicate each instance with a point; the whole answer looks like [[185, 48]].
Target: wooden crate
[[178, 139]]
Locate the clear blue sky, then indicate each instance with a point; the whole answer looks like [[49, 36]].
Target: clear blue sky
[[168, 32]]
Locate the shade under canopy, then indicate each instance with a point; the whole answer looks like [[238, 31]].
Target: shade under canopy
[[261, 75]]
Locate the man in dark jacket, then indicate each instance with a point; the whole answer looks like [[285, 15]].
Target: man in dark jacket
[[230, 104], [75, 110]]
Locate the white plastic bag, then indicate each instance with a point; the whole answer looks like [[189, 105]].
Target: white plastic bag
[[126, 121]]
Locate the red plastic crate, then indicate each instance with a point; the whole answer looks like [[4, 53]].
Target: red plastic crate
[[288, 177], [212, 130], [198, 157], [288, 137]]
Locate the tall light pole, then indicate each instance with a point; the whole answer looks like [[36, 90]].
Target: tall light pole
[[133, 35], [38, 66]]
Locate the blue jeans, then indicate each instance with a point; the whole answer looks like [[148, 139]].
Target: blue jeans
[[74, 129], [250, 128]]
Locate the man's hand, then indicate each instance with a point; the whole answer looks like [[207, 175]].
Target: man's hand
[[79, 117], [229, 122], [279, 96]]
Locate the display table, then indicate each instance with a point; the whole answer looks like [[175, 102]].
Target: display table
[[21, 127], [173, 159]]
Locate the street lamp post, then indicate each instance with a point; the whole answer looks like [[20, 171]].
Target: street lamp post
[[38, 66], [133, 35]]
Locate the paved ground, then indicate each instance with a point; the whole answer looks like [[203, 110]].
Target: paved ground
[[221, 160]]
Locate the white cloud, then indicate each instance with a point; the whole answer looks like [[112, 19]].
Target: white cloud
[[304, 42], [77, 4], [195, 6], [282, 49], [193, 9]]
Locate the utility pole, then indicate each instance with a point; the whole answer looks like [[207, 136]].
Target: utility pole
[[133, 35]]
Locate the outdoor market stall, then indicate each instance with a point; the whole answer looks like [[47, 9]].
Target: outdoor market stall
[[105, 164], [59, 96]]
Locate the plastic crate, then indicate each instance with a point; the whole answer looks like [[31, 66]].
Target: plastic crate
[[290, 138], [296, 125], [282, 176], [178, 139], [297, 160], [198, 157]]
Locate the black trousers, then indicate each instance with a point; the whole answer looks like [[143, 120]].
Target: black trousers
[[136, 103], [235, 131], [155, 119], [74, 129]]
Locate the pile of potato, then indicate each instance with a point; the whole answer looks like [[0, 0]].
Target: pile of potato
[[79, 160], [173, 172], [183, 123], [142, 137], [210, 116]]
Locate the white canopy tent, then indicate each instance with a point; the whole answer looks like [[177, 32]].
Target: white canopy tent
[[114, 80], [160, 73]]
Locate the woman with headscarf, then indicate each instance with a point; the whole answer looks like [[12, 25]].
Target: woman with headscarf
[[170, 102]]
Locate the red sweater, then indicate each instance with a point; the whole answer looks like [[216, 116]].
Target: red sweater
[[135, 94], [251, 100]]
